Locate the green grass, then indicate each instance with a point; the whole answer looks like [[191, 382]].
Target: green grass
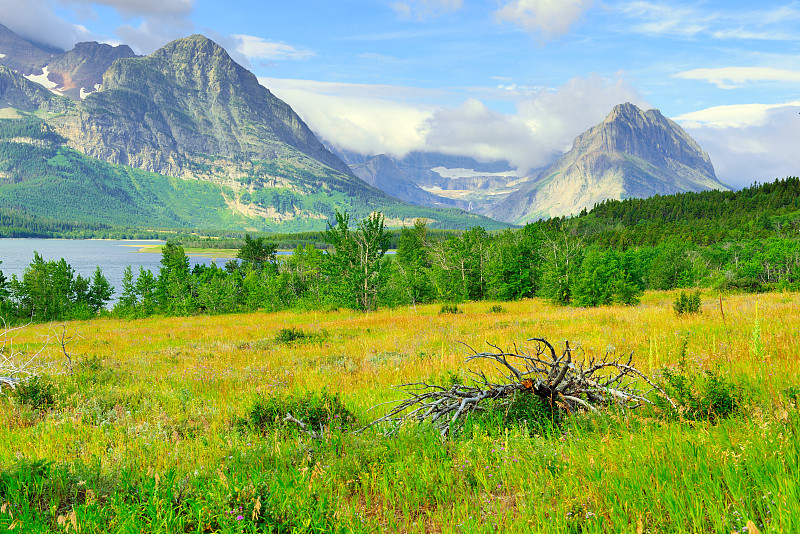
[[169, 425]]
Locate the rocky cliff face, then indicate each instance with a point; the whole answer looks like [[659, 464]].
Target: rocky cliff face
[[188, 100], [20, 55], [79, 72], [21, 94], [632, 153]]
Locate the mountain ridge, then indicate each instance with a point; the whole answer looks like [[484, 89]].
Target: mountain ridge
[[631, 153]]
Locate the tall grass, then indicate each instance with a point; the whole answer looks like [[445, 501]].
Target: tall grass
[[147, 433]]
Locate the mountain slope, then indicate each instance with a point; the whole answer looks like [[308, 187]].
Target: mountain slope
[[382, 172], [79, 72], [40, 176], [18, 94], [186, 101], [21, 55], [632, 153]]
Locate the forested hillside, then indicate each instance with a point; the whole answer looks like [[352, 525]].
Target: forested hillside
[[758, 211]]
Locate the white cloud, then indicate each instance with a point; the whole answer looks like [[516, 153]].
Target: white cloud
[[732, 77], [473, 129], [772, 24], [159, 21], [749, 143], [736, 116], [135, 8], [154, 32], [369, 119], [424, 9], [549, 18], [34, 20], [657, 19], [374, 119], [258, 48]]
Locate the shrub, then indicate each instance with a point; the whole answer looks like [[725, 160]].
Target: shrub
[[707, 395], [38, 392], [742, 285], [522, 410], [290, 335], [450, 308], [317, 410], [533, 411], [497, 309], [687, 303]]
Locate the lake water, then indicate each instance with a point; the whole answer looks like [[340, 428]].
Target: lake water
[[84, 255]]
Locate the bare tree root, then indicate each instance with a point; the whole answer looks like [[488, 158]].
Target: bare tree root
[[567, 382]]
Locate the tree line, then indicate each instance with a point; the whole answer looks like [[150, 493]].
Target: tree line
[[551, 261]]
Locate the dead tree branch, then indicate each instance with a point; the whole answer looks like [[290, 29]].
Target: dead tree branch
[[17, 366], [569, 382]]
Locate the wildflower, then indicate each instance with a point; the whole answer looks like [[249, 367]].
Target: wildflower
[[239, 517]]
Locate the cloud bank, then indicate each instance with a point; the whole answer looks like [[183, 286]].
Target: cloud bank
[[396, 120], [733, 77], [152, 22], [748, 143]]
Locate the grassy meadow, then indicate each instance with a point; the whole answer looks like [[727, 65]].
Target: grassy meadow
[[155, 428]]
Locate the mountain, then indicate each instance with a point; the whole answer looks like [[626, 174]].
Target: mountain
[[20, 95], [382, 172], [631, 154], [189, 103], [21, 55], [74, 74], [79, 72], [182, 138], [436, 179]]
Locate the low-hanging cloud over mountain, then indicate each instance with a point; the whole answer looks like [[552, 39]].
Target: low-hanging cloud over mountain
[[151, 23], [395, 120], [748, 143]]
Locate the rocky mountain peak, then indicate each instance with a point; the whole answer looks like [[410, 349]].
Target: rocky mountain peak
[[186, 100], [21, 55], [631, 153], [644, 134], [79, 72]]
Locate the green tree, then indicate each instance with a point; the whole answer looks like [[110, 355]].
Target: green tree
[[414, 264], [459, 265], [46, 291], [258, 253], [563, 253], [175, 295], [354, 265], [513, 269], [147, 291], [129, 299], [671, 267], [100, 291]]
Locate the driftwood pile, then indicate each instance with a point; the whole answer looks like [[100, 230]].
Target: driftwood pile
[[567, 382]]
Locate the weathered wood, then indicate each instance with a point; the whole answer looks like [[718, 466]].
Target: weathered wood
[[567, 382]]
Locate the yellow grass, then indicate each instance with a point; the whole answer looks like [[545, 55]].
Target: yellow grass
[[187, 379]]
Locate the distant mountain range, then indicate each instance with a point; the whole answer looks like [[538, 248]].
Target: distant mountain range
[[193, 116]]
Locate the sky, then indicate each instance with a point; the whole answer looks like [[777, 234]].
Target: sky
[[492, 79]]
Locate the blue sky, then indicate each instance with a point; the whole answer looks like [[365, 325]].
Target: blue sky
[[512, 79]]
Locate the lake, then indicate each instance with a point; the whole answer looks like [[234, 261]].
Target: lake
[[84, 255]]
